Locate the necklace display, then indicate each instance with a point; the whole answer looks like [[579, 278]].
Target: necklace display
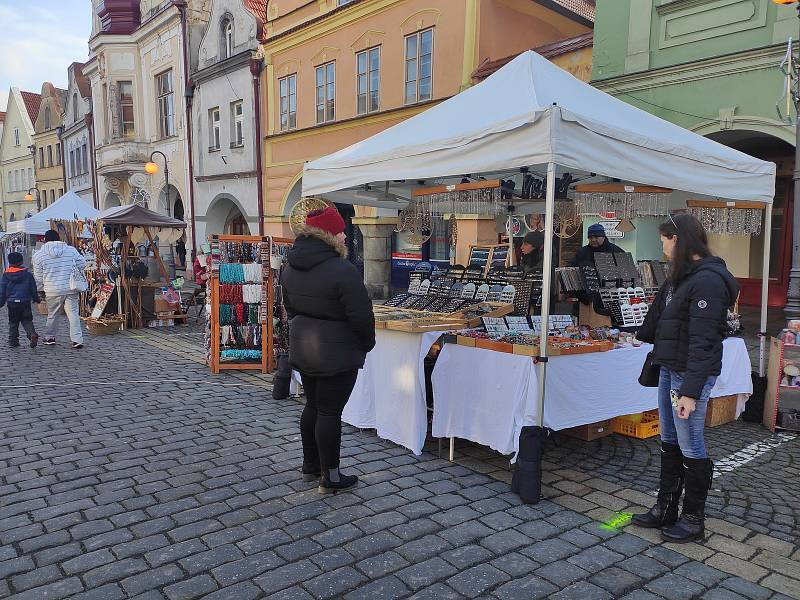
[[625, 205], [729, 221]]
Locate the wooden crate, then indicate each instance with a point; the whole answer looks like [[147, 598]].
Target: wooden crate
[[493, 345], [590, 431], [639, 425], [721, 410]]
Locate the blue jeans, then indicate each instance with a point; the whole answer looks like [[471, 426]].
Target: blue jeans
[[686, 433]]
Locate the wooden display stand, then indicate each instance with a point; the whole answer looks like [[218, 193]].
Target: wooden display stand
[[588, 316], [488, 256], [266, 364]]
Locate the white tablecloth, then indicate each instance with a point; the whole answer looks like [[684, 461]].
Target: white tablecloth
[[480, 394], [389, 395]]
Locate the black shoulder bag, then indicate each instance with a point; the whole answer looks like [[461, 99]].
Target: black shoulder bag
[[650, 373]]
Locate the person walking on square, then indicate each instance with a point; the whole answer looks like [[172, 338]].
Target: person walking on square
[[332, 328], [686, 324], [53, 265], [18, 290]]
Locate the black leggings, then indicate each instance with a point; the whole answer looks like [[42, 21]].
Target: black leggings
[[321, 421]]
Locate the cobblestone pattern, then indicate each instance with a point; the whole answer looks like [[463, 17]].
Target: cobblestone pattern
[[158, 489]]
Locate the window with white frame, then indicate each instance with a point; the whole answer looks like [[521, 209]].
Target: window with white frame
[[16, 136], [213, 129], [47, 117], [72, 172], [126, 116], [41, 157], [58, 153], [419, 67], [49, 155], [237, 123], [326, 92], [227, 38], [75, 107], [85, 162], [369, 78], [165, 96], [288, 101]]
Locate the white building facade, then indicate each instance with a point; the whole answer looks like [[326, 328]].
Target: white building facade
[[226, 124], [76, 138], [137, 72]]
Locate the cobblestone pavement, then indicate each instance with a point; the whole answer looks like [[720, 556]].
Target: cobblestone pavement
[[127, 471]]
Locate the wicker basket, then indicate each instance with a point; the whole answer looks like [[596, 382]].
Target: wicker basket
[[104, 326]]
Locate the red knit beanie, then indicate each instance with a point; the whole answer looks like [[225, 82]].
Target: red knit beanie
[[327, 219]]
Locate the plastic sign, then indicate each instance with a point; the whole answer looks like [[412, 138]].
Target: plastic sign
[[612, 232]]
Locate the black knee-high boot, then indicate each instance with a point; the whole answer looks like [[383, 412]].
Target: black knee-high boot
[[665, 511], [691, 525]]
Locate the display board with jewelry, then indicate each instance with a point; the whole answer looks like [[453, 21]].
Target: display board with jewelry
[[242, 298]]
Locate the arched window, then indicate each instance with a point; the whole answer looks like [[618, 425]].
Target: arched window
[[75, 106], [47, 117], [227, 38]]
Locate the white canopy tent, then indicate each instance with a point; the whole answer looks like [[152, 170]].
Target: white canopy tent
[[68, 207], [532, 113]]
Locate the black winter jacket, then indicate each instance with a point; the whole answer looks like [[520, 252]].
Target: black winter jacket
[[687, 333], [332, 325], [586, 254], [18, 285]]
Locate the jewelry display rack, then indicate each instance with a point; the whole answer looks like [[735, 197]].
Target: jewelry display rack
[[252, 358]]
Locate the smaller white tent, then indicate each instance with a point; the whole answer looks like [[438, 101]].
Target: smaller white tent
[[68, 207]]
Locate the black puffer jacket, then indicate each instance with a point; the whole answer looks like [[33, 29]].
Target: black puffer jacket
[[332, 325], [687, 332]]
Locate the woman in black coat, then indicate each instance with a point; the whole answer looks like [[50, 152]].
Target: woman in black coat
[[331, 330], [686, 324]]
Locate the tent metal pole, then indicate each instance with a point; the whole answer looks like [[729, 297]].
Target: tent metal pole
[[546, 284], [762, 336]]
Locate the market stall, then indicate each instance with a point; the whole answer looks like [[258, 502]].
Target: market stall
[[144, 298], [543, 118], [582, 388], [67, 208]]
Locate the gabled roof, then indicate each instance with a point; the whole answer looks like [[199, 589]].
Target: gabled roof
[[584, 8], [259, 10], [2, 117], [81, 81], [550, 50], [32, 101]]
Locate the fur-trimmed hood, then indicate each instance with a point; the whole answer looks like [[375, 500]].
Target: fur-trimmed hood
[[314, 246]]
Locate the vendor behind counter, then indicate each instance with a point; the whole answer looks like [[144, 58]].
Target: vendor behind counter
[[598, 242]]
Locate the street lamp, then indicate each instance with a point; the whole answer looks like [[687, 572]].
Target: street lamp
[[29, 198], [792, 308], [151, 168]]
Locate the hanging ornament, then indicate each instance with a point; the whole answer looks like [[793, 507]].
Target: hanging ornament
[[300, 211]]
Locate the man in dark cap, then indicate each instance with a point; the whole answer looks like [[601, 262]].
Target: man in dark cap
[[532, 251], [598, 242]]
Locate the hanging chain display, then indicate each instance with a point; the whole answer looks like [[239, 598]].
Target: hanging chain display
[[625, 205], [567, 221], [483, 201], [415, 220], [730, 221]]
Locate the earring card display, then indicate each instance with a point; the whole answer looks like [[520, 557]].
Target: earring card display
[[483, 258], [241, 303]]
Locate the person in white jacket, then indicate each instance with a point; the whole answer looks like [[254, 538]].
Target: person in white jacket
[[53, 265]]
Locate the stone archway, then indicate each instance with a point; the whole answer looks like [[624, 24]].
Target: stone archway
[[771, 141], [169, 200], [112, 199], [225, 215]]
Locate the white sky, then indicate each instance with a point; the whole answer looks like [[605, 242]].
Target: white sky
[[40, 39]]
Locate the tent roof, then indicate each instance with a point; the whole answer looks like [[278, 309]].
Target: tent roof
[[137, 216], [69, 207], [532, 112]]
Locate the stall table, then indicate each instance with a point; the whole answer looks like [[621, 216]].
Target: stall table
[[487, 397], [389, 395]]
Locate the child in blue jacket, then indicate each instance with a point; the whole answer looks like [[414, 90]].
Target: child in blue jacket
[[18, 290]]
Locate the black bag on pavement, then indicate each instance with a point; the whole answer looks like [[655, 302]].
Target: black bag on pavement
[[283, 378], [650, 373], [754, 409], [527, 478]]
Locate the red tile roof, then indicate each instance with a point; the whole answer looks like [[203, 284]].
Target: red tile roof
[[584, 8], [32, 101], [548, 51], [82, 82], [2, 116], [259, 9]]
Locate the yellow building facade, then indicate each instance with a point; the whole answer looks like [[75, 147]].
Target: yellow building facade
[[339, 72], [47, 152]]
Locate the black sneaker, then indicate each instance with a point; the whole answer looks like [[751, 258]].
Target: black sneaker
[[50, 342], [331, 487], [76, 346], [34, 340]]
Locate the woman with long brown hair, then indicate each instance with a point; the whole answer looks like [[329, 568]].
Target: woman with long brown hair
[[686, 325]]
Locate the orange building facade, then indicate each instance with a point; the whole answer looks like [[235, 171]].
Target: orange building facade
[[338, 72]]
